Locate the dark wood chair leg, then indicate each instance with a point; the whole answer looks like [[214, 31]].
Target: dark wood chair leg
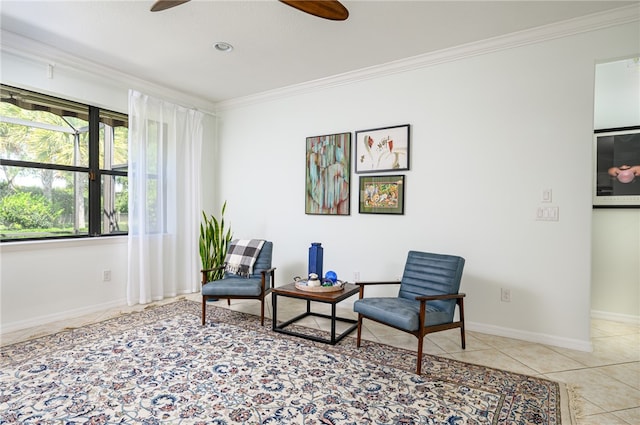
[[359, 330], [461, 310], [204, 308], [419, 359], [262, 311]]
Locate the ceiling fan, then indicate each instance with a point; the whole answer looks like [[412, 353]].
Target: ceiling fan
[[327, 9]]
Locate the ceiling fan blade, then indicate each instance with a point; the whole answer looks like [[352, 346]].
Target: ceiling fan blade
[[327, 9], [160, 5]]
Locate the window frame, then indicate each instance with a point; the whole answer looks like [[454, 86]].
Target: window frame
[[93, 170]]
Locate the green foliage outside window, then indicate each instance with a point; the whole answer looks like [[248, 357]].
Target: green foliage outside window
[[25, 210]]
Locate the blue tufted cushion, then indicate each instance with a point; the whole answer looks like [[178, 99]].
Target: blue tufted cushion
[[402, 313], [263, 262], [426, 273], [233, 286]]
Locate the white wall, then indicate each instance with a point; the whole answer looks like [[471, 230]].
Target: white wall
[[52, 280], [489, 134], [615, 292], [617, 94]]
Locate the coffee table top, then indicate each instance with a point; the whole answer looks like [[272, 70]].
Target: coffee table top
[[290, 290]]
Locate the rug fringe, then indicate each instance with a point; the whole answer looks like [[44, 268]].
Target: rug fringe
[[574, 405]]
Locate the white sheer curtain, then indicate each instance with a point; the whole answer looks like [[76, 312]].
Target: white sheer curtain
[[165, 143]]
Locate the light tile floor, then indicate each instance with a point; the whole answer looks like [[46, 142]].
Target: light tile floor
[[606, 381]]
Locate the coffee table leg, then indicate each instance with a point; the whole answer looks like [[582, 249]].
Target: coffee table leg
[[333, 323], [274, 302]]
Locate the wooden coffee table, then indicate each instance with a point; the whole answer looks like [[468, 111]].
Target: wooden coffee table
[[333, 298]]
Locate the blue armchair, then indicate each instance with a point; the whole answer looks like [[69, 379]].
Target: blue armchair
[[256, 286], [426, 300]]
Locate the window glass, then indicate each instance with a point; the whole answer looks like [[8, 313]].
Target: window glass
[[115, 204], [39, 136], [38, 203], [114, 143]]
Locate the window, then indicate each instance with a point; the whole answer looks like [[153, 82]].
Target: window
[[63, 168]]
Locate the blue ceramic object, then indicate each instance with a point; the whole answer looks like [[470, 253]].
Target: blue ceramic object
[[332, 276], [315, 258]]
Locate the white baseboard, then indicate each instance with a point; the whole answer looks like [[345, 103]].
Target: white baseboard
[[572, 344], [615, 317], [65, 315]]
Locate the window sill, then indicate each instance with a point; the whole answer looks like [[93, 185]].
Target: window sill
[[17, 246]]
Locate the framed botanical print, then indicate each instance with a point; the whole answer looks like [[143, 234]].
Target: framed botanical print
[[382, 149]]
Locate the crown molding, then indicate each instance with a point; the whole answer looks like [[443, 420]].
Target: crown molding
[[593, 22], [38, 52], [49, 55]]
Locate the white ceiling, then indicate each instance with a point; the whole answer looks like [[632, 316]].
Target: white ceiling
[[275, 45]]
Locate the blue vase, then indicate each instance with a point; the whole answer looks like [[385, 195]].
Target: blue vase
[[315, 259]]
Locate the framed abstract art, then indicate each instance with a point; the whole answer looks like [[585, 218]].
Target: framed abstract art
[[328, 161]]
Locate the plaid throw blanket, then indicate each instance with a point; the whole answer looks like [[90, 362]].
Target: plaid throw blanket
[[242, 255]]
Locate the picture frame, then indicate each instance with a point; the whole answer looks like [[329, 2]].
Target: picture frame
[[382, 194], [616, 168], [382, 149], [328, 174]]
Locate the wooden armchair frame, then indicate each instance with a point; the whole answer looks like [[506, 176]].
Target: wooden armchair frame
[[422, 330]]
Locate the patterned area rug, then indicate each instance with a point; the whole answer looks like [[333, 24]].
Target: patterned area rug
[[160, 366]]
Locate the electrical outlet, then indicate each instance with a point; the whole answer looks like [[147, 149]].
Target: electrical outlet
[[106, 275], [505, 295], [548, 214]]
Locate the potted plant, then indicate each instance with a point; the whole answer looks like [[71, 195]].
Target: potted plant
[[214, 240]]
